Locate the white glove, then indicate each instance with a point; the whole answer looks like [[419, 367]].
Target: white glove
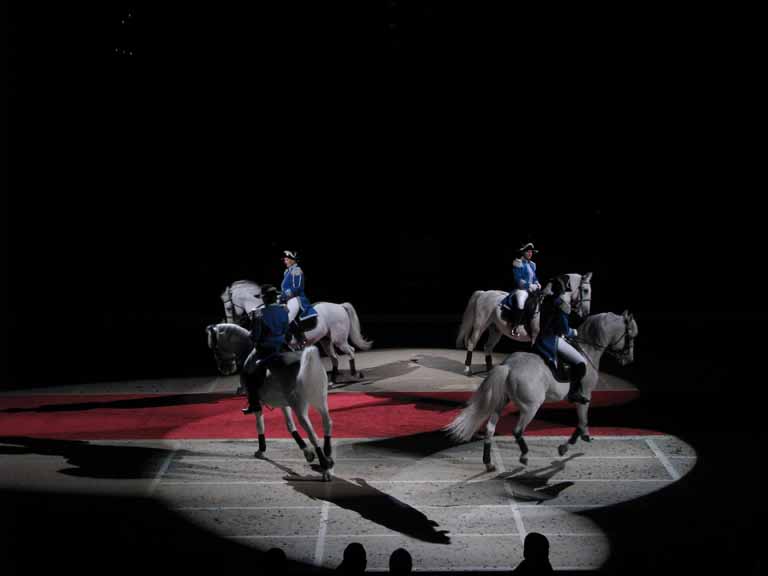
[[574, 333]]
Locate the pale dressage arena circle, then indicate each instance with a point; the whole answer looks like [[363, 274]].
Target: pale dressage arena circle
[[417, 491]]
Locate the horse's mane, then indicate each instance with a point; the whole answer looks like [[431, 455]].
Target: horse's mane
[[593, 327]]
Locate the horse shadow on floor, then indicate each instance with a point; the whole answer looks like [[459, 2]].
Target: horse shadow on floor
[[92, 460], [369, 502], [533, 485], [442, 363], [377, 373], [153, 401]]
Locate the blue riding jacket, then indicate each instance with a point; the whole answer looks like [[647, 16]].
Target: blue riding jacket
[[269, 329], [524, 272], [293, 286], [552, 328]]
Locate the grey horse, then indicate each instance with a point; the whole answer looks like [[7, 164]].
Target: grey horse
[[294, 388], [483, 312], [525, 378]]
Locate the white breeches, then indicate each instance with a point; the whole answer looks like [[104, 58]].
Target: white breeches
[[521, 296], [568, 352], [293, 308]]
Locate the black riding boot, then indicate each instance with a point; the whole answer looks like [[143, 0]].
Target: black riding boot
[[252, 384], [575, 394], [514, 318]]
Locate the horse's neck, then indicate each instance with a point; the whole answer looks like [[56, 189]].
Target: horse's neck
[[592, 352]]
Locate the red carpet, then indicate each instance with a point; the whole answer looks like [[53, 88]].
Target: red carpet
[[190, 416]]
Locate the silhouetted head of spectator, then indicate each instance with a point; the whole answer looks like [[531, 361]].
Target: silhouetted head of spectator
[[355, 560], [536, 548], [275, 559], [400, 562]]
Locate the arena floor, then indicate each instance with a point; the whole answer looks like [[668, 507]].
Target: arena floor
[[399, 481]]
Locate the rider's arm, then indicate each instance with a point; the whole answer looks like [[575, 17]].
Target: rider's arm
[[297, 281], [517, 271]]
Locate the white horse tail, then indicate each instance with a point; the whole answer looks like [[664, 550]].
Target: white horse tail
[[490, 397], [312, 376], [468, 320], [354, 328]]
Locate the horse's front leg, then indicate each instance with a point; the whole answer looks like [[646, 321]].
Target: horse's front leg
[[581, 431], [331, 353], [309, 455]]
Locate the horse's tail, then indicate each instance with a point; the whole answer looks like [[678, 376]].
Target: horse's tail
[[354, 328], [491, 396], [312, 377], [468, 320]]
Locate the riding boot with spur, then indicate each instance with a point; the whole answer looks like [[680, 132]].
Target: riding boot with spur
[[575, 394], [515, 319], [252, 385]]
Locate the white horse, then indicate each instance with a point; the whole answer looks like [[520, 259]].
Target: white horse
[[241, 299], [337, 324], [525, 378], [293, 388], [483, 312]]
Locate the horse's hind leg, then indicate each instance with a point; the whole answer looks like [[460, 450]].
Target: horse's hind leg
[[494, 335], [474, 336], [350, 351], [525, 417], [581, 430], [327, 426], [331, 353], [326, 462], [490, 430], [309, 455]]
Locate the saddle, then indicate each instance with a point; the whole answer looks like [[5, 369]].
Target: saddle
[[561, 372], [513, 316]]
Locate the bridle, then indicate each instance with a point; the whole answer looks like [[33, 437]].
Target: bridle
[[579, 298], [610, 348], [234, 307]]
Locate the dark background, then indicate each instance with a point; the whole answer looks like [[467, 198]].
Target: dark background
[[405, 149]]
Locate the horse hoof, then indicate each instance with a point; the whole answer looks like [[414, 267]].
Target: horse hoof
[[586, 437], [259, 454], [309, 455], [467, 371], [524, 460], [490, 468], [562, 449], [360, 375]]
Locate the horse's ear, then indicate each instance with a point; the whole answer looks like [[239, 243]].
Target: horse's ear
[[586, 277]]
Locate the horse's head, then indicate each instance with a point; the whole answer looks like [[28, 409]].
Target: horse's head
[[240, 299], [229, 307], [581, 294], [623, 345], [230, 345]]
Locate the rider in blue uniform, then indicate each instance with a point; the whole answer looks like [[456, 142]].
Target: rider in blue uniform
[[526, 282], [293, 294], [552, 346], [270, 326]]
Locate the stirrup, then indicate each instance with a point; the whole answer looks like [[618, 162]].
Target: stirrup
[[577, 398]]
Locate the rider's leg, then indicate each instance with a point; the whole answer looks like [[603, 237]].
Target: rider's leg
[[578, 370], [520, 296], [253, 382]]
